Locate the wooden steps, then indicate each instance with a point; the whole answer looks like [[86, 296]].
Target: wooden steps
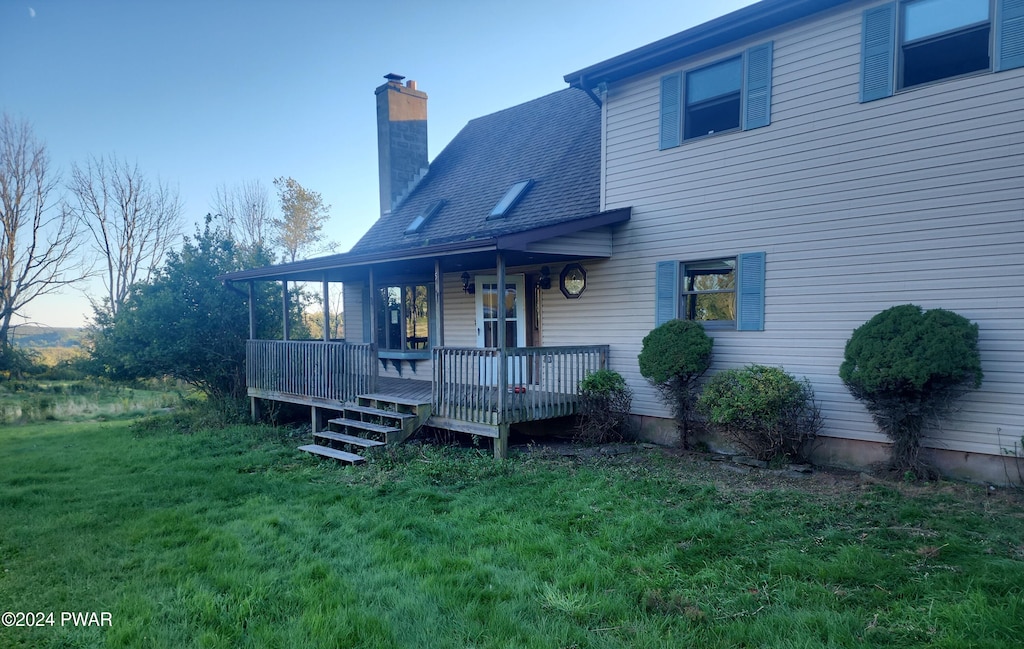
[[373, 421], [327, 451]]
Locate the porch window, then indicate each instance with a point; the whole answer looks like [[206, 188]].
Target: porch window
[[404, 317]]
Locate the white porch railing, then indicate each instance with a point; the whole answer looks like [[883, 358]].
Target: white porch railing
[[309, 371], [493, 386]]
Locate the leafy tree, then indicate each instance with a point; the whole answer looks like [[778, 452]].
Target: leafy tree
[[38, 245], [909, 365], [132, 222], [673, 358], [303, 216], [185, 323]]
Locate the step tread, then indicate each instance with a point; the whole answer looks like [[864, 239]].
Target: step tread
[[364, 425], [327, 451], [405, 401], [348, 439], [377, 412]]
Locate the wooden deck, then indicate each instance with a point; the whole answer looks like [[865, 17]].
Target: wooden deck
[[481, 391]]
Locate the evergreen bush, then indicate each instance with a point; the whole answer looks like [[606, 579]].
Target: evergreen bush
[[762, 410], [605, 401], [673, 358], [908, 366]]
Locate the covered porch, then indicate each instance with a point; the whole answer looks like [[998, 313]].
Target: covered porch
[[455, 328]]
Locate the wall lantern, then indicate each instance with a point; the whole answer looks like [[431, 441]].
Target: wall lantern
[[467, 283], [572, 281], [544, 281]]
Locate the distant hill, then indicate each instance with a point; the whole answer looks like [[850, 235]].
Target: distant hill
[[46, 337]]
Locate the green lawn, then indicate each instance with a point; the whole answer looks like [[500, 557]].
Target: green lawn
[[231, 538]]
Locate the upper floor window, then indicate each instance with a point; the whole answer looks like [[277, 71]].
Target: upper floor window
[[943, 38], [727, 95], [713, 98], [915, 42]]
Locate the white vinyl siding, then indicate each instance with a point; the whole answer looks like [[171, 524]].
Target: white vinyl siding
[[916, 199]]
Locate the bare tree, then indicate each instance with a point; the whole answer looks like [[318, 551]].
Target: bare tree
[[246, 211], [38, 243], [303, 215], [132, 221]]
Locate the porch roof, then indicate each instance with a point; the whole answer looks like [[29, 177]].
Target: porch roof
[[472, 254]]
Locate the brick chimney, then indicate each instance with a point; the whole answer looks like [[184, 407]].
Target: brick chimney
[[401, 139]]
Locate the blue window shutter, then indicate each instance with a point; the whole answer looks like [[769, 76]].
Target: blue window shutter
[[671, 105], [666, 292], [1009, 46], [750, 292], [757, 97], [877, 52]]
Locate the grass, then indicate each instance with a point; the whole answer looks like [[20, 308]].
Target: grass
[[231, 538], [23, 402]]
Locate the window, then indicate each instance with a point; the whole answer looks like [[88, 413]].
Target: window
[[943, 38], [421, 219], [709, 291], [720, 293], [713, 99], [727, 95], [404, 317], [916, 42], [511, 197]]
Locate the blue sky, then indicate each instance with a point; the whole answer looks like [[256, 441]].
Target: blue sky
[[205, 92]]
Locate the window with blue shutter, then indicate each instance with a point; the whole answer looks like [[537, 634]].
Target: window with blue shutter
[[919, 42], [757, 100], [1009, 41], [666, 292], [878, 41], [671, 102], [750, 291]]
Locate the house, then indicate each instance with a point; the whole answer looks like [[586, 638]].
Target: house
[[454, 310], [812, 161]]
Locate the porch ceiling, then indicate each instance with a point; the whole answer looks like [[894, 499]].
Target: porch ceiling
[[472, 255]]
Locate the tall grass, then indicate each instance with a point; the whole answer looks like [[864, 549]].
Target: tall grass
[[23, 402], [231, 538]]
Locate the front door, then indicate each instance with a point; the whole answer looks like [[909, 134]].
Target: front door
[[513, 300]]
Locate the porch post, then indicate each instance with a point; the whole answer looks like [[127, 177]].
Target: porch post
[[439, 301], [372, 307], [252, 312], [327, 312], [501, 442], [286, 326], [254, 406]]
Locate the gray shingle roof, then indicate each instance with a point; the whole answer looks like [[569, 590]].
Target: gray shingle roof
[[554, 140]]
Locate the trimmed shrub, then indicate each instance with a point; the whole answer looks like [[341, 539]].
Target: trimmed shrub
[[674, 357], [908, 366], [762, 410], [605, 400]]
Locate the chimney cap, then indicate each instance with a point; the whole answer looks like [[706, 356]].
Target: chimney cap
[[391, 76]]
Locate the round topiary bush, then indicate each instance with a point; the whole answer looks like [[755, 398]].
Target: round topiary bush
[[762, 410], [909, 365], [674, 356], [605, 401]]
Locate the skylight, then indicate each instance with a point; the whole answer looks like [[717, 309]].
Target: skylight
[[418, 222], [510, 198]]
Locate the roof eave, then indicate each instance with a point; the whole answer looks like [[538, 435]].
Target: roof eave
[[739, 24], [514, 241]]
